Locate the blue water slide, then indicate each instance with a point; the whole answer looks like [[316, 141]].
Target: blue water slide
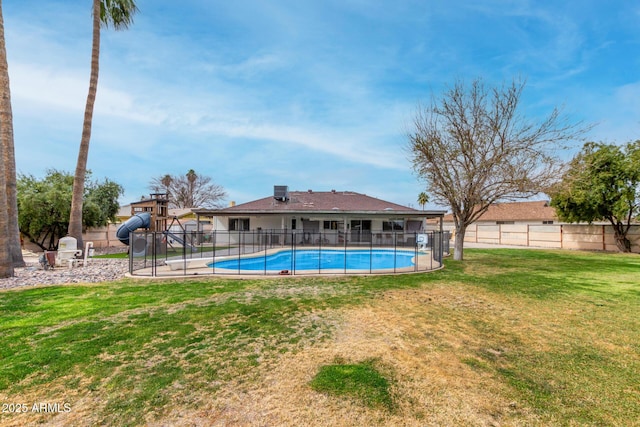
[[140, 220]]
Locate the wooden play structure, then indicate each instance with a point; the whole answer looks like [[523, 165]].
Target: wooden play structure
[[157, 206]]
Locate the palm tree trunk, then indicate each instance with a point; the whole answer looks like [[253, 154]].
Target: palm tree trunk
[[75, 220], [6, 264], [8, 154]]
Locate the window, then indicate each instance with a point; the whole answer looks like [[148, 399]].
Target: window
[[505, 222], [330, 225], [547, 222], [238, 224], [361, 225], [394, 225], [293, 224]]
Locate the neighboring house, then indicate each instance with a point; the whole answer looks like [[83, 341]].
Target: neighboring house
[[536, 212], [183, 214], [336, 216]]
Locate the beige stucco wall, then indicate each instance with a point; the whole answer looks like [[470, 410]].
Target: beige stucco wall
[[558, 236], [102, 237]]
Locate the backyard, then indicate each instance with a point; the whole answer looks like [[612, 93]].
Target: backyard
[[507, 337]]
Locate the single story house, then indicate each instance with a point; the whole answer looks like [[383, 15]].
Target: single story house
[[327, 217]]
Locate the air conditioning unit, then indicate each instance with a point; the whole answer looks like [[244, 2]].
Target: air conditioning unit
[[281, 192]]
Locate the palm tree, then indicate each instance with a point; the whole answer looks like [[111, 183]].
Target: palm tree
[[166, 182], [8, 158], [118, 13], [6, 264], [191, 178], [423, 199]]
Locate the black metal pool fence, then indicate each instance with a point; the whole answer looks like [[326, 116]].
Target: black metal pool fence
[[158, 254]]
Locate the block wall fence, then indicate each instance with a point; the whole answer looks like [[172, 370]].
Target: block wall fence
[[555, 236], [103, 237]]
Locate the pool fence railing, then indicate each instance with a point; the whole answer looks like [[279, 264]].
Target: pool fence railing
[[150, 253]]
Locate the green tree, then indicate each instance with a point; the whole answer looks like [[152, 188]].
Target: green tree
[[119, 14], [44, 205], [423, 199], [189, 191], [602, 182], [8, 159], [473, 148]]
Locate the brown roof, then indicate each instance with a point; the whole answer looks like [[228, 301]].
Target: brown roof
[[517, 211], [320, 201]]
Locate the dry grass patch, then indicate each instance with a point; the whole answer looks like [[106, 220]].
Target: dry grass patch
[[430, 381]]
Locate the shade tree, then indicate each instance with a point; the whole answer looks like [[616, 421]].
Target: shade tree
[[602, 183], [473, 146], [44, 205]]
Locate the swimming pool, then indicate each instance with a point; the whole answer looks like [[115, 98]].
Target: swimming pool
[[326, 259]]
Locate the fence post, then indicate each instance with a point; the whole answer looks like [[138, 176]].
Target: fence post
[[320, 253], [345, 254], [395, 250], [293, 252], [154, 271], [371, 254], [213, 253], [130, 256], [239, 248]]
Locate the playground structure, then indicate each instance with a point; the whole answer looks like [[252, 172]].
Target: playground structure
[[152, 215]]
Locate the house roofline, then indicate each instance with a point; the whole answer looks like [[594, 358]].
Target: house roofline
[[236, 212]]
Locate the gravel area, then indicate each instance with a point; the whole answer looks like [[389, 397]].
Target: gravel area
[[97, 270]]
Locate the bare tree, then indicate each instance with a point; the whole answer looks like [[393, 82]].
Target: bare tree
[[189, 191], [473, 148]]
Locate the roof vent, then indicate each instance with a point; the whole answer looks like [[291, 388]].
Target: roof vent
[[281, 192]]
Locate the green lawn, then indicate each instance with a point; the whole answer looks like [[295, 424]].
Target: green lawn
[[520, 337]]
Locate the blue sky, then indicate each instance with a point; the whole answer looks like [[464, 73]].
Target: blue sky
[[310, 94]]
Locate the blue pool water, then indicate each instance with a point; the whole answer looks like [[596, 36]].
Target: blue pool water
[[313, 259]]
